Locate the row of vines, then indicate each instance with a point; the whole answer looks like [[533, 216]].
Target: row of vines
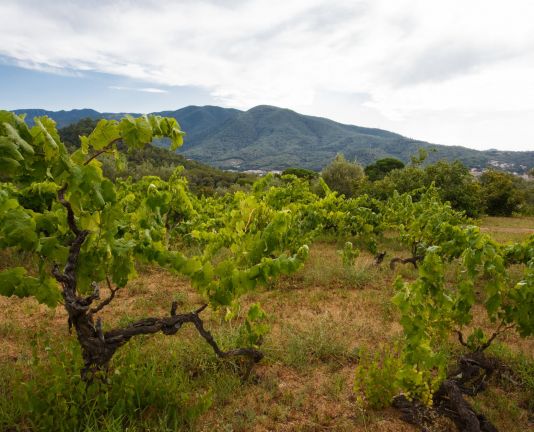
[[85, 231]]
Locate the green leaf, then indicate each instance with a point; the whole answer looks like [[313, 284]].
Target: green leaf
[[44, 132], [9, 149], [105, 133], [17, 228], [167, 127], [135, 132], [21, 143], [8, 165], [16, 282], [493, 303]]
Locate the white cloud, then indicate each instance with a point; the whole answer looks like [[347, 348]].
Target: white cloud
[[140, 89], [448, 71]]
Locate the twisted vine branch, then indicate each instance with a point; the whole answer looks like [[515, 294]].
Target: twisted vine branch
[[98, 347], [412, 260], [469, 378]]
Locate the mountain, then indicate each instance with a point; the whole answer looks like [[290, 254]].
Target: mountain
[[62, 118], [271, 138], [197, 121]]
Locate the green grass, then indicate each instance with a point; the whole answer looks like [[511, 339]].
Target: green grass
[[153, 385]]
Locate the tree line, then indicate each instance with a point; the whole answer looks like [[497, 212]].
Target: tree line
[[495, 193]]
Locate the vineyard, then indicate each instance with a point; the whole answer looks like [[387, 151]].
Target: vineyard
[[140, 306]]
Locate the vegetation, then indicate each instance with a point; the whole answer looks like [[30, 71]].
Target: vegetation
[[431, 311], [379, 169], [69, 234], [84, 230], [271, 138], [154, 160], [502, 193], [301, 173], [343, 176], [496, 193]]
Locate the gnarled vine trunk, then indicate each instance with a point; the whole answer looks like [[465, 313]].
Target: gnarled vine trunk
[[98, 347], [468, 379]]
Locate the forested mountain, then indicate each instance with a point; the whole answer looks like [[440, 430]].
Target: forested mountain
[[271, 138], [152, 160]]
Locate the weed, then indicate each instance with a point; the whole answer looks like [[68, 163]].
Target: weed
[[358, 277], [519, 373], [334, 386], [144, 388], [9, 329], [375, 377], [324, 341]]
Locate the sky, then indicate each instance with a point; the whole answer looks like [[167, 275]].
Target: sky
[[445, 71]]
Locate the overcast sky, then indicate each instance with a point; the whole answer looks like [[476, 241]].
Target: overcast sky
[[445, 71]]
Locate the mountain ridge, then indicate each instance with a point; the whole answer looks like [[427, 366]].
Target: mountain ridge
[[271, 138]]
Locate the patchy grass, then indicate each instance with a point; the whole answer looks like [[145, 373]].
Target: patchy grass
[[518, 222], [321, 341], [506, 229], [320, 318]]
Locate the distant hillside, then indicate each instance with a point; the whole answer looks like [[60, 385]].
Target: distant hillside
[[271, 138], [65, 118], [152, 160]]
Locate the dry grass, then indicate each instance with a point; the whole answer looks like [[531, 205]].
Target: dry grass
[[507, 230], [520, 222], [320, 317]]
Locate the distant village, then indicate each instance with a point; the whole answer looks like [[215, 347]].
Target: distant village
[[504, 166], [476, 172]]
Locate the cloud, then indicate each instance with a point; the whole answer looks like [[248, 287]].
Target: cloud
[[140, 89], [449, 59], [410, 58], [40, 67]]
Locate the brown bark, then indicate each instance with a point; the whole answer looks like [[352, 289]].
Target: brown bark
[[379, 257], [468, 379], [412, 260]]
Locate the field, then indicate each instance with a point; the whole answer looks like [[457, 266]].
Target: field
[[507, 230], [323, 319]]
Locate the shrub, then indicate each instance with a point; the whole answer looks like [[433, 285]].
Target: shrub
[[501, 193], [375, 382], [343, 176], [381, 167]]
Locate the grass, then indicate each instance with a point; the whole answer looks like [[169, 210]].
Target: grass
[[507, 230], [145, 390], [521, 222], [321, 318], [321, 341]]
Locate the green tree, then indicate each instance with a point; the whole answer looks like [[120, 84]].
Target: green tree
[[381, 167], [301, 173], [501, 192], [343, 176], [453, 180], [405, 180], [456, 185]]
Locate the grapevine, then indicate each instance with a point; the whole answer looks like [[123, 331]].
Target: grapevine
[[432, 308], [84, 230]]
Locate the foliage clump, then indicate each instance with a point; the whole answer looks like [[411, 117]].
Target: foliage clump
[[343, 176], [502, 193], [379, 169]]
